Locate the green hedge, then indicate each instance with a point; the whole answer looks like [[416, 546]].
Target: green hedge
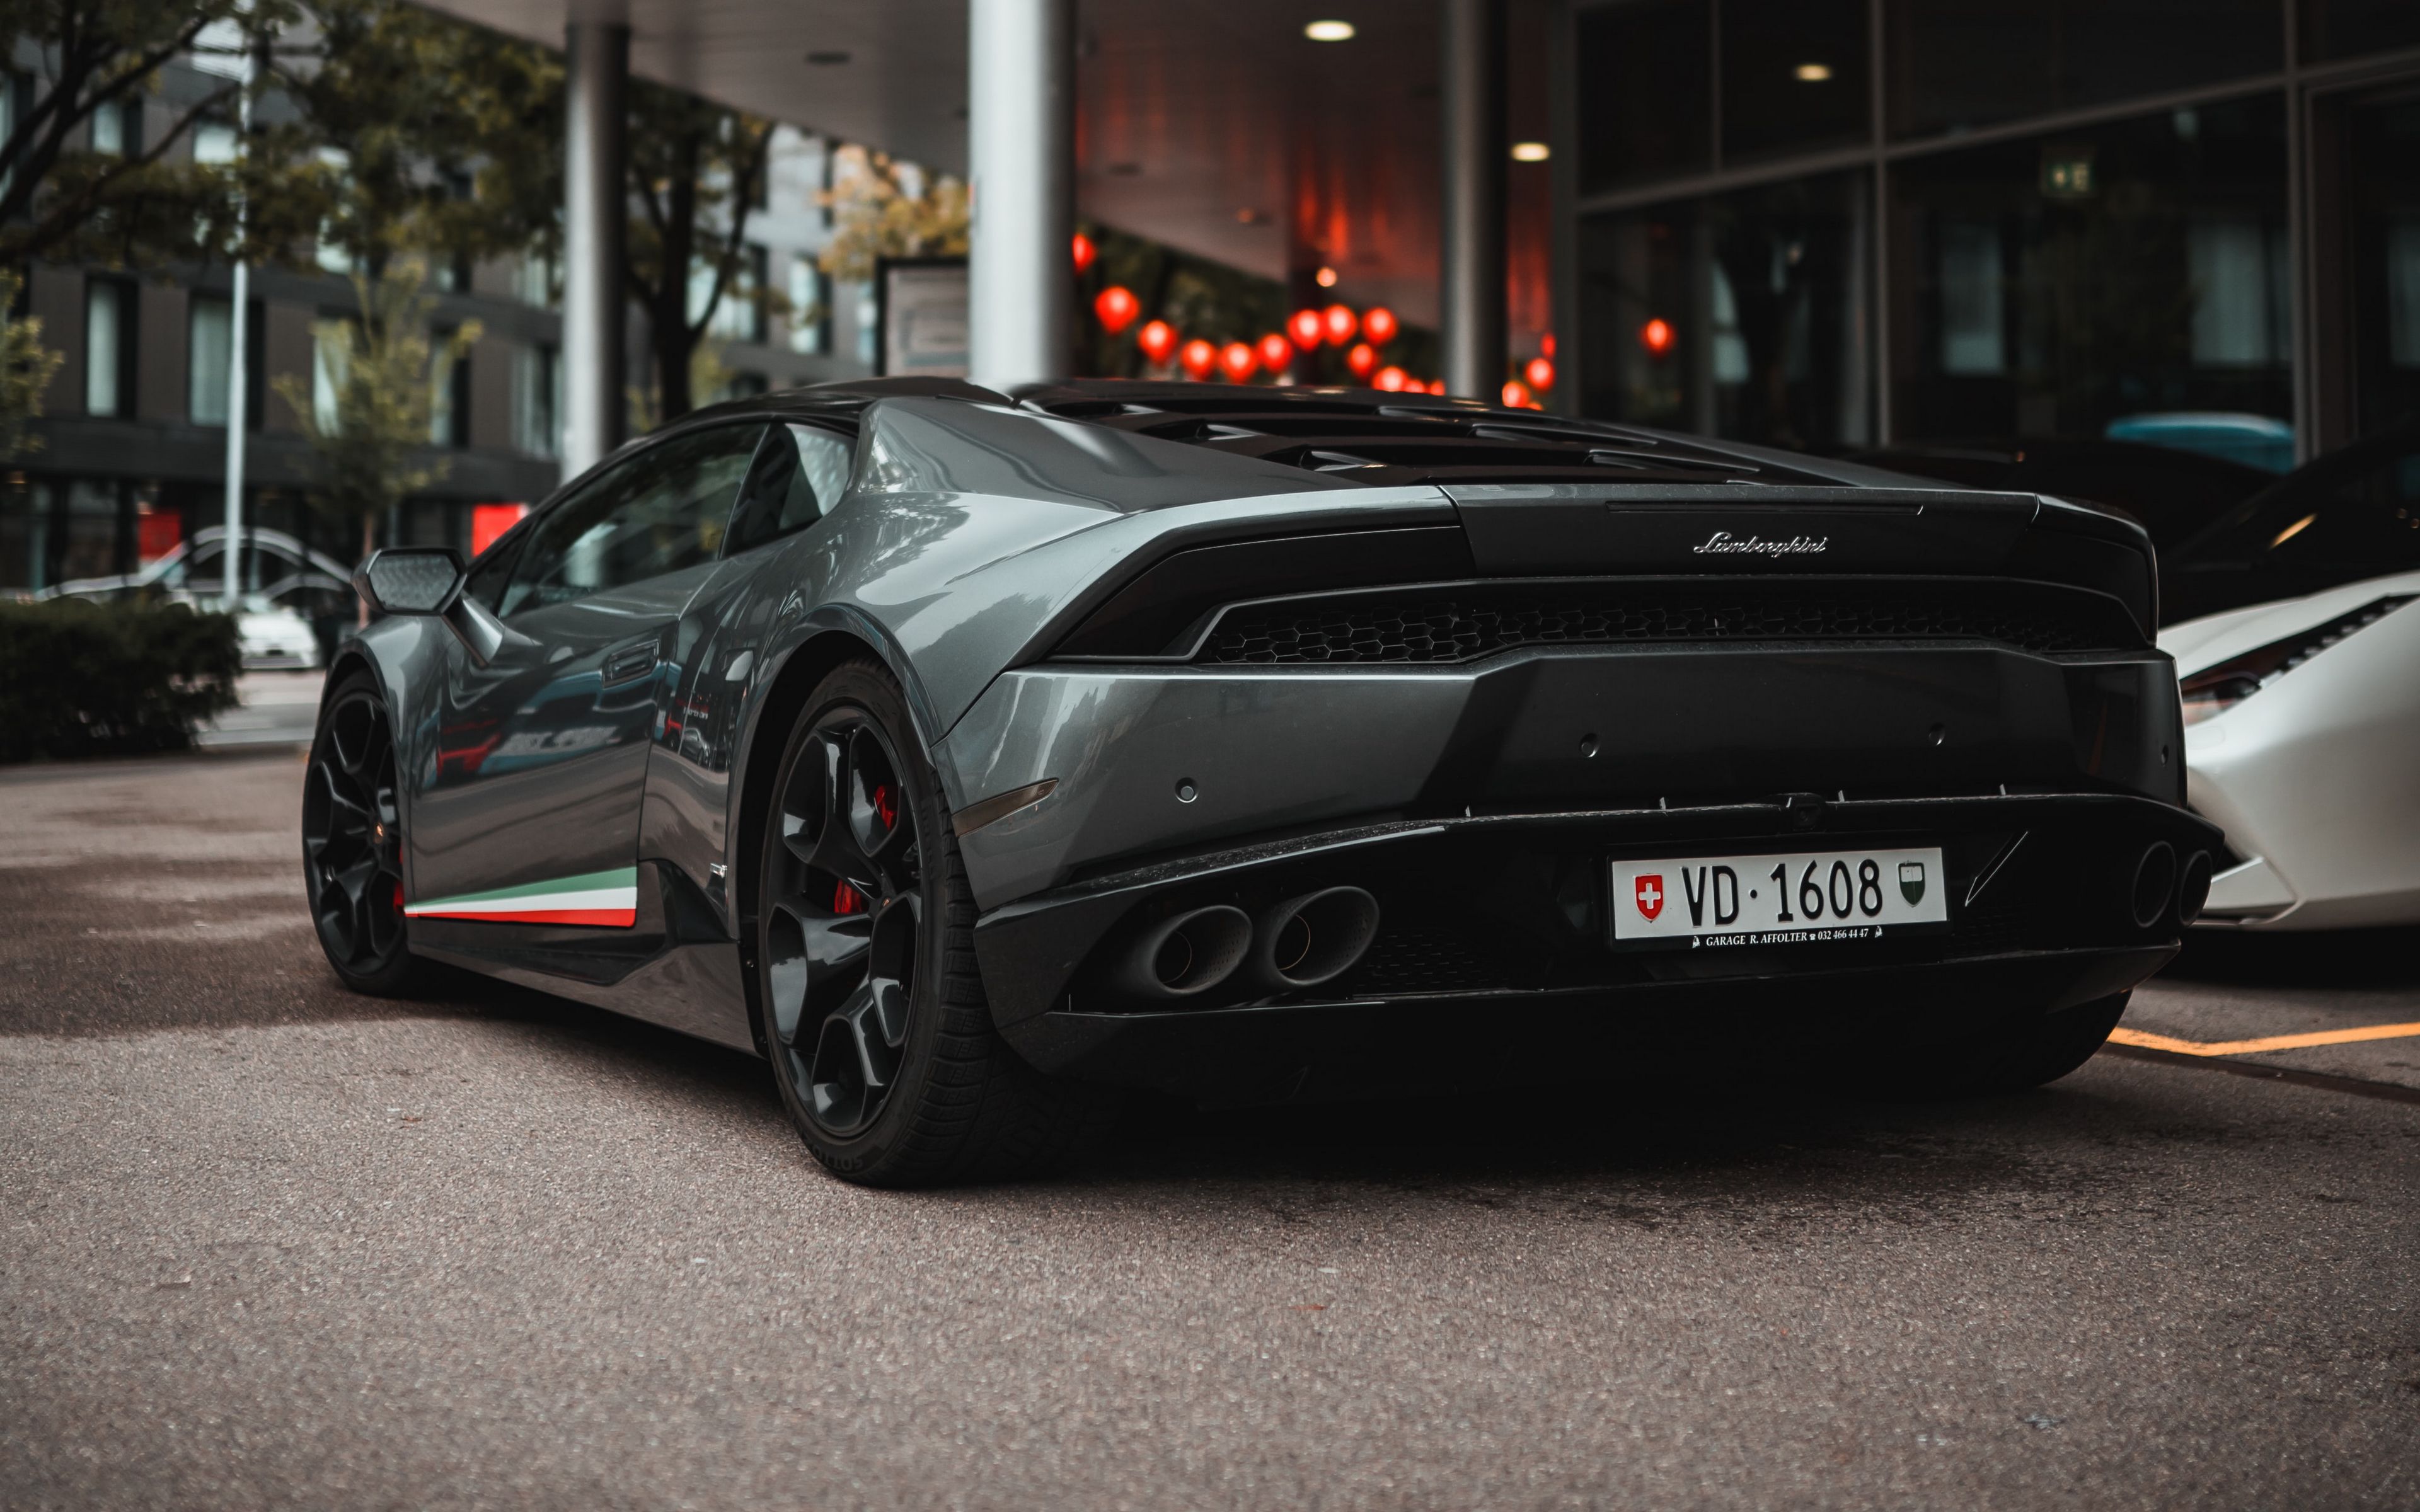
[[83, 679]]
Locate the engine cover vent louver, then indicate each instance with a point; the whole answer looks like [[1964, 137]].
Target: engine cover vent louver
[[1439, 442], [1456, 624]]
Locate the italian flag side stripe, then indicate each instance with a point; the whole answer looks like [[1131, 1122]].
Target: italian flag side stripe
[[609, 899]]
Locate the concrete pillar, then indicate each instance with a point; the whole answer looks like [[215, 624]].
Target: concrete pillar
[[1472, 208], [1021, 149], [596, 62]]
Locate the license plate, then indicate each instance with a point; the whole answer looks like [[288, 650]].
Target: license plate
[[1689, 902]]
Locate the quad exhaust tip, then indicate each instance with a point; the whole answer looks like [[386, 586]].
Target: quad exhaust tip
[[1189, 953], [2155, 882], [2193, 886], [1315, 938]]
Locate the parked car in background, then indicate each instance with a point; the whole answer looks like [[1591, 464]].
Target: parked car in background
[[2260, 442], [296, 600], [2171, 494], [275, 636], [2297, 646]]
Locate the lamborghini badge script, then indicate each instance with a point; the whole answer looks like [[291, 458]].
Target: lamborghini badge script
[[1722, 541]]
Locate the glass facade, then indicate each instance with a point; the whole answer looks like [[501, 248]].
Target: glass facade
[[1997, 219], [1739, 314], [1958, 65], [2057, 285], [2379, 254]]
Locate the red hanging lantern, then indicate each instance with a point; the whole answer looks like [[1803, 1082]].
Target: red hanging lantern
[[1361, 359], [1546, 346], [1198, 358], [1307, 329], [1656, 336], [1437, 386], [1276, 352], [1392, 379], [1237, 362], [1085, 253], [1117, 308], [1338, 323], [1516, 394], [1156, 339], [1541, 374], [1380, 324]]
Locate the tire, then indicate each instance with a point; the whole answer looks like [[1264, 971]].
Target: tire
[[352, 844], [867, 996], [2034, 1052]]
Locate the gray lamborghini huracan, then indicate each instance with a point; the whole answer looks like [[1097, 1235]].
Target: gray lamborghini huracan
[[971, 755]]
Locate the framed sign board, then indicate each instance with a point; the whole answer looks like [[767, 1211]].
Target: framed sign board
[[919, 318]]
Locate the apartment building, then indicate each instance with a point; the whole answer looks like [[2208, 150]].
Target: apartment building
[[131, 447]]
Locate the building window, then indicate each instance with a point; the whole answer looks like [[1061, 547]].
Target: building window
[[2237, 265], [331, 362], [538, 281], [810, 306], [117, 129], [209, 346], [1795, 76], [108, 348], [2063, 284], [215, 142], [1960, 64], [2347, 28], [537, 395], [1745, 315], [740, 316], [330, 256], [1644, 114], [1973, 313], [449, 393]]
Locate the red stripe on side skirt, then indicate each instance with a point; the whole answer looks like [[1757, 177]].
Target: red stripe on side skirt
[[609, 917]]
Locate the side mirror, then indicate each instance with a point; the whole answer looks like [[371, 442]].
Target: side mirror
[[410, 580]]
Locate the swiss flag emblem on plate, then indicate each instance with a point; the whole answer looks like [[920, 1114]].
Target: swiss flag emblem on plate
[[1649, 893]]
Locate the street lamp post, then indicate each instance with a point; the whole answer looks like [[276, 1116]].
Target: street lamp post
[[231, 547]]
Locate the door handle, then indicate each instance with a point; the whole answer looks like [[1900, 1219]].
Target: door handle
[[630, 663]]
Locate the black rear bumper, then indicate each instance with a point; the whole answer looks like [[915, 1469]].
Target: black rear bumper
[[1282, 1052], [1493, 932]]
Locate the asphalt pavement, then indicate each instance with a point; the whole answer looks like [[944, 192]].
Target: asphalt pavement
[[263, 1243]]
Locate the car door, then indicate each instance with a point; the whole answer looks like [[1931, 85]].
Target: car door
[[800, 472], [528, 812]]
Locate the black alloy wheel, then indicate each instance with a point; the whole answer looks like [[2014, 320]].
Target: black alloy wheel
[[843, 922], [352, 841], [863, 964]]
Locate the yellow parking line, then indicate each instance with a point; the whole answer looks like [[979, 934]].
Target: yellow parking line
[[2275, 1041]]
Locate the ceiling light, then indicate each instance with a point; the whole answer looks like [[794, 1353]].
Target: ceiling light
[[1814, 73], [1329, 31], [1529, 152], [1324, 278]]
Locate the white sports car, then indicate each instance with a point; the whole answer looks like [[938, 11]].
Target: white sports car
[[2301, 675]]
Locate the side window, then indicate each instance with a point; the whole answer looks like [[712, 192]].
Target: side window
[[800, 475], [662, 510]]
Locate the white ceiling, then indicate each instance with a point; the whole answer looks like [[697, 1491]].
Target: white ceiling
[[1214, 126]]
